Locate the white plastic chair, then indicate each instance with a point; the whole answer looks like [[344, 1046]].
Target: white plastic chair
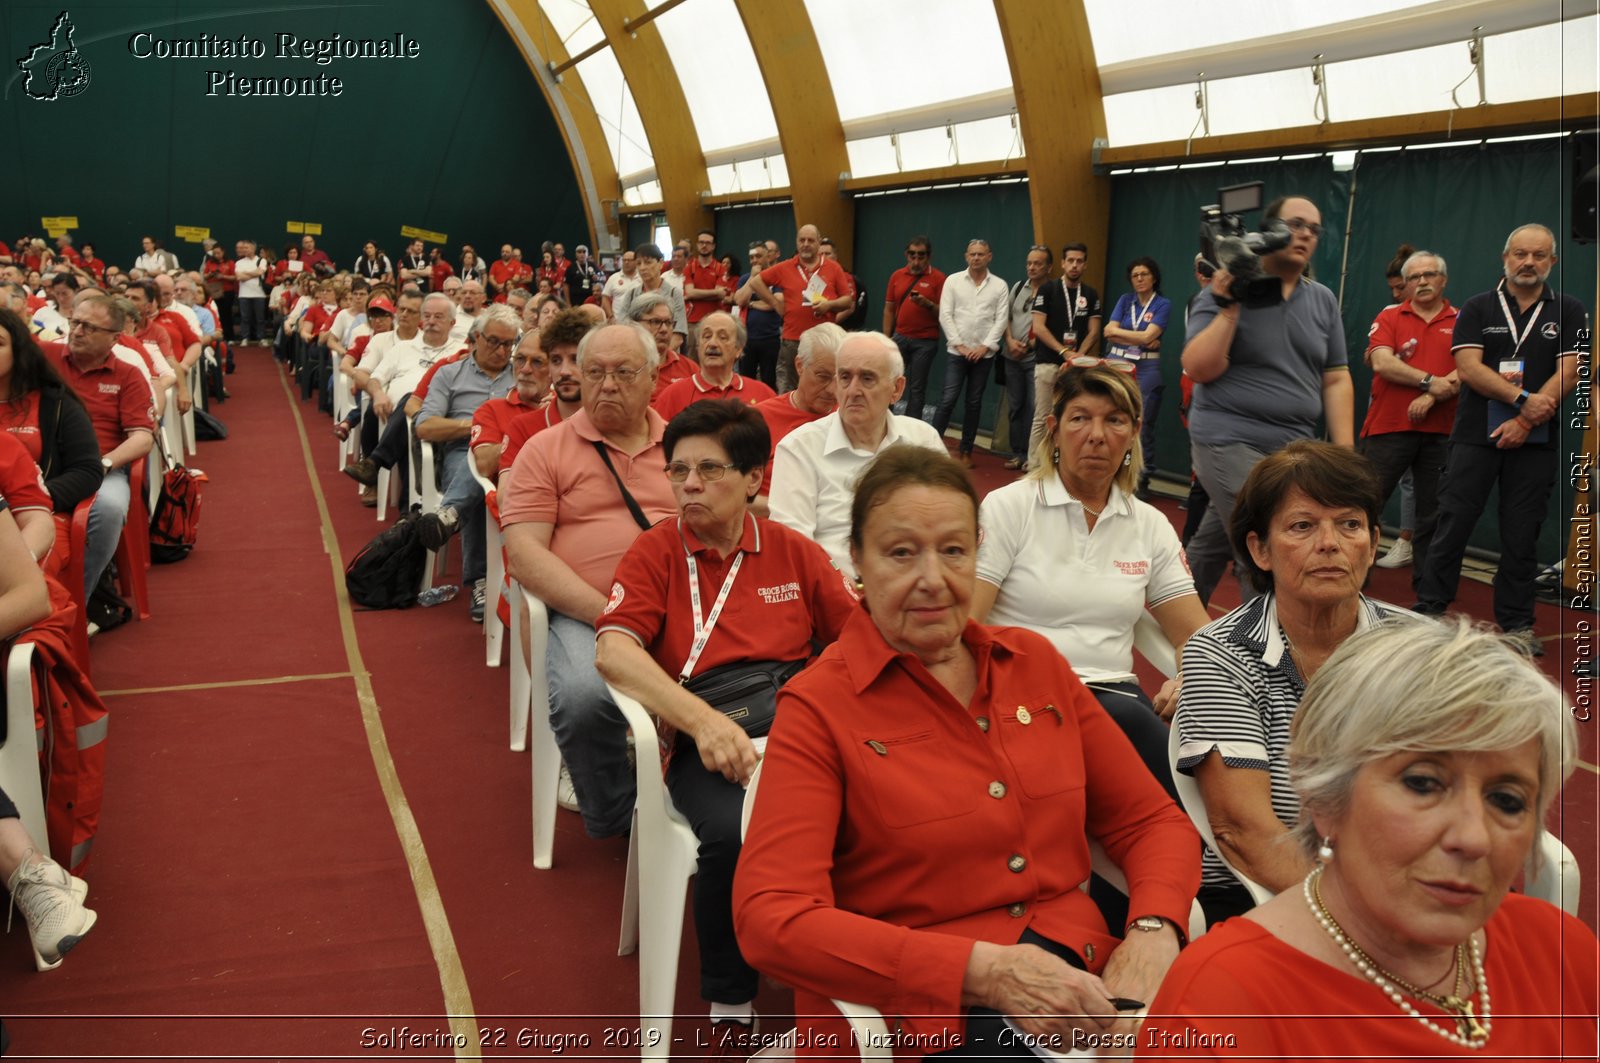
[[1152, 644], [345, 400], [536, 713], [425, 491], [19, 754], [1553, 874], [196, 386], [494, 581], [662, 855]]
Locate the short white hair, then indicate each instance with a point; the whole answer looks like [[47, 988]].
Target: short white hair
[[1405, 267], [897, 363], [641, 335], [826, 337]]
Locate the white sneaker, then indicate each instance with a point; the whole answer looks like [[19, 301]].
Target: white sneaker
[[52, 903], [1399, 555], [566, 796]]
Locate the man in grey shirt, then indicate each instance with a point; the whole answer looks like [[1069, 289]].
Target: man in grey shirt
[[455, 394], [1263, 378]]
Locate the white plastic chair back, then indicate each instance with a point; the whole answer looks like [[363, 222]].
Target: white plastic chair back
[[19, 754], [535, 706], [344, 400], [495, 577], [1195, 806], [190, 445], [662, 855], [1152, 644], [1553, 874]]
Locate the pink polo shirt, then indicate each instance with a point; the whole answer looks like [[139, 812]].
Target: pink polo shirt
[[559, 479]]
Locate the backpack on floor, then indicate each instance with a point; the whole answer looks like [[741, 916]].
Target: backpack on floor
[[175, 522], [387, 573], [105, 607], [207, 428]]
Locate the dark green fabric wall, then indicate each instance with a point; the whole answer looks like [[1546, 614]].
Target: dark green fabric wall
[[458, 141], [737, 226]]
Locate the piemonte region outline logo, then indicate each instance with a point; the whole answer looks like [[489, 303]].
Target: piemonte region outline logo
[[55, 69]]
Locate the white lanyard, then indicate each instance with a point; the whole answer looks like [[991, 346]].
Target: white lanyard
[[1511, 322], [703, 628], [1138, 310], [1072, 305]]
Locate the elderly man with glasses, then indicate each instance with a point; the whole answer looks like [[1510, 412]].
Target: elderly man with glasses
[[911, 316], [656, 313], [565, 510], [458, 389], [119, 404]]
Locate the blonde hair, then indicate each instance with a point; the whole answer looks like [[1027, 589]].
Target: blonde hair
[[1104, 382]]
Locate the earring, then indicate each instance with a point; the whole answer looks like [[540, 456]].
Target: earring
[[1127, 459], [1055, 456], [860, 588], [1325, 853]]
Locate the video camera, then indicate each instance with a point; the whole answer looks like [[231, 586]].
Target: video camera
[[1225, 243]]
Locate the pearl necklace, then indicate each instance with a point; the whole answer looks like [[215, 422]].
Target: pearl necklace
[[1469, 1032]]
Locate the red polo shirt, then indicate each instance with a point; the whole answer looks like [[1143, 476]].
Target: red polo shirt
[[912, 320], [321, 317], [782, 417], [442, 271], [1395, 327], [492, 420], [681, 394], [154, 335], [21, 482], [316, 258], [674, 367], [178, 328], [524, 427], [790, 278], [697, 276], [115, 394]]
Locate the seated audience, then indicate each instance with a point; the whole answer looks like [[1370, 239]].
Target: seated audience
[[927, 799], [1418, 822], [1306, 522], [655, 314], [1071, 553], [530, 373], [716, 551], [567, 520], [47, 418], [559, 341], [812, 397], [815, 468]]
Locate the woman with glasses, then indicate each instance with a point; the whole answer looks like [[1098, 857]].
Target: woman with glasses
[[1133, 334], [716, 590]]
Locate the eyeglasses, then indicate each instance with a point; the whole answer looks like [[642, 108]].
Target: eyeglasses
[[530, 360], [1085, 362], [496, 344], [1300, 225], [625, 376], [1141, 273], [656, 322], [708, 471], [1425, 275], [916, 254], [77, 324]]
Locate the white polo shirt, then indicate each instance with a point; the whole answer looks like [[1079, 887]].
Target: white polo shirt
[[814, 477], [1082, 590]]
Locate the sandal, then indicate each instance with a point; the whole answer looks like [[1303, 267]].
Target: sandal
[[1016, 463]]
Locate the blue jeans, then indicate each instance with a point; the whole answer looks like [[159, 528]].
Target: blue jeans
[[975, 375], [461, 490], [590, 729], [918, 357], [106, 518], [1019, 394], [1151, 386]]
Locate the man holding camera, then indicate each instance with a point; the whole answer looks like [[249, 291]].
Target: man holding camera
[[1263, 376]]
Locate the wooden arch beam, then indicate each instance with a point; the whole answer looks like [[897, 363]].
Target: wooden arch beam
[[1057, 85], [581, 131], [807, 115], [664, 111]]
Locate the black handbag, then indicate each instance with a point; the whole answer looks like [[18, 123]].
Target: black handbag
[[746, 692]]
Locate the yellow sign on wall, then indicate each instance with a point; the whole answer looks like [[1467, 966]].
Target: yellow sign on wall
[[294, 226], [66, 221], [411, 232], [53, 233], [194, 234], [313, 228]]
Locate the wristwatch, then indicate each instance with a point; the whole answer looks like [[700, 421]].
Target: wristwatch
[[105, 464], [1427, 379], [1521, 398], [1149, 924]]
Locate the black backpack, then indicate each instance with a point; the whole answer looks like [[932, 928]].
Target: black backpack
[[387, 573]]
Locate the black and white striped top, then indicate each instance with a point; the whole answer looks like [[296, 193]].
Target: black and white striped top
[[1240, 692]]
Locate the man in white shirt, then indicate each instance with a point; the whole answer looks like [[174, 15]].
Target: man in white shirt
[[815, 470], [972, 313], [626, 277], [248, 270]]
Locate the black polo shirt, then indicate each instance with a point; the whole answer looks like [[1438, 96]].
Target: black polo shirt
[[1064, 308], [1556, 334]]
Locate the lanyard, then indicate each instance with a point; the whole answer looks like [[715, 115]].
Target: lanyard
[[1138, 311], [1511, 322], [1072, 304], [703, 628]]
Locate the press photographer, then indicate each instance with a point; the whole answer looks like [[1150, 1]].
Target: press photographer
[[1264, 374]]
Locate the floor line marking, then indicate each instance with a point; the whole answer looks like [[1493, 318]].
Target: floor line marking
[[452, 976], [223, 684], [1586, 766]]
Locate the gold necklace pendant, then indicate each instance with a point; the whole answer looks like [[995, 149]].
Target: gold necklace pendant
[[1466, 1022]]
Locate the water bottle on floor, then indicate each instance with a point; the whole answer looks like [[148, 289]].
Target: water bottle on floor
[[435, 595]]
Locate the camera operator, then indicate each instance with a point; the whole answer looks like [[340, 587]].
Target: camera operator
[[1263, 377]]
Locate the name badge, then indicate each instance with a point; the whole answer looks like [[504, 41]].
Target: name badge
[[1511, 370]]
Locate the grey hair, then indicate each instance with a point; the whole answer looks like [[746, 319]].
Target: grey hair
[[498, 314], [1406, 265], [1530, 225], [897, 362], [978, 242], [646, 303], [740, 332], [826, 336], [438, 295], [647, 342], [1420, 686]]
